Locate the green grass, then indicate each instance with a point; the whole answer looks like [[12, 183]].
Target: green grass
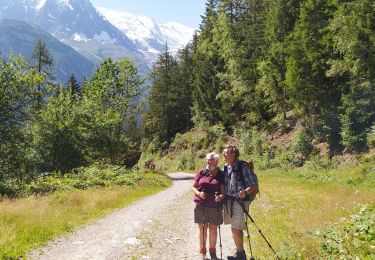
[[290, 210], [31, 222], [294, 206], [82, 178]]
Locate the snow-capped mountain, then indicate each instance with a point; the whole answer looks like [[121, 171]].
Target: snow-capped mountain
[[147, 34], [64, 19], [99, 34], [177, 35], [78, 24]]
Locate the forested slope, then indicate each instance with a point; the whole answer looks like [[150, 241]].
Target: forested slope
[[265, 63]]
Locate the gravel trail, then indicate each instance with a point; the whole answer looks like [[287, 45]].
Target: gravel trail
[[158, 227]]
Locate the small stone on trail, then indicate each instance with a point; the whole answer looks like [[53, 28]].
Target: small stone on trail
[[169, 241], [132, 241]]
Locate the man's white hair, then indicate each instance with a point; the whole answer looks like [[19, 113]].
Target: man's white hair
[[212, 155]]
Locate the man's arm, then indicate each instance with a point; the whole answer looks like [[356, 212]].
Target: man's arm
[[250, 179]]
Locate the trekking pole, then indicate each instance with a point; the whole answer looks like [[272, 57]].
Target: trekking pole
[[221, 246], [260, 231], [248, 238], [248, 233], [203, 242]]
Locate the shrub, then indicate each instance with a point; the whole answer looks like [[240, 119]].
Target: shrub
[[47, 185], [317, 163], [186, 161], [371, 137], [84, 178], [187, 150], [283, 159], [200, 138], [9, 189], [300, 148], [289, 251], [301, 143], [252, 143], [265, 161], [353, 239]]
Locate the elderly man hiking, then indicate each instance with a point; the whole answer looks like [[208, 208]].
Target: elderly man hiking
[[240, 183]]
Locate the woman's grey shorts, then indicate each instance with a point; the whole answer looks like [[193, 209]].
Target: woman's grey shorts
[[208, 215]]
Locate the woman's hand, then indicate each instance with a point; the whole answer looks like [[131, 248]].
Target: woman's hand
[[219, 198], [202, 195]]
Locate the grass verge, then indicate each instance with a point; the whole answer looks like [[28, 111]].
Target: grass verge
[[30, 222], [291, 211]]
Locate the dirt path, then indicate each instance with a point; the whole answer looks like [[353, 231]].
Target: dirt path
[[157, 227]]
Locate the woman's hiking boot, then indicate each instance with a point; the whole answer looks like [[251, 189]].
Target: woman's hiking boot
[[214, 257], [204, 257], [203, 252], [238, 256], [212, 251]]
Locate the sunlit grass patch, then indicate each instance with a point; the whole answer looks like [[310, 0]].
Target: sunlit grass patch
[[290, 210], [30, 222]]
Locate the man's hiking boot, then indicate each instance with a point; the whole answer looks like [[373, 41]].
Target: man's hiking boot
[[214, 257], [238, 256]]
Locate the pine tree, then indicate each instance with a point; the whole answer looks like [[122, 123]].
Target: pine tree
[[185, 86], [160, 122], [240, 33], [281, 18], [207, 65], [17, 84], [74, 87], [223, 36], [354, 40], [311, 92], [43, 59], [44, 64]]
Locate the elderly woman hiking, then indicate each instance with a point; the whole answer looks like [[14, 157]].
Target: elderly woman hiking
[[208, 188]]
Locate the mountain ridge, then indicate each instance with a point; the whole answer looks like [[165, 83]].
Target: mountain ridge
[[17, 37], [65, 19], [80, 25], [147, 34]]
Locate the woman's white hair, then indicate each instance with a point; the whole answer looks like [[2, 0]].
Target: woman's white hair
[[212, 155]]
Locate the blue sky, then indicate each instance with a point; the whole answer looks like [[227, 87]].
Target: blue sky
[[187, 12]]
